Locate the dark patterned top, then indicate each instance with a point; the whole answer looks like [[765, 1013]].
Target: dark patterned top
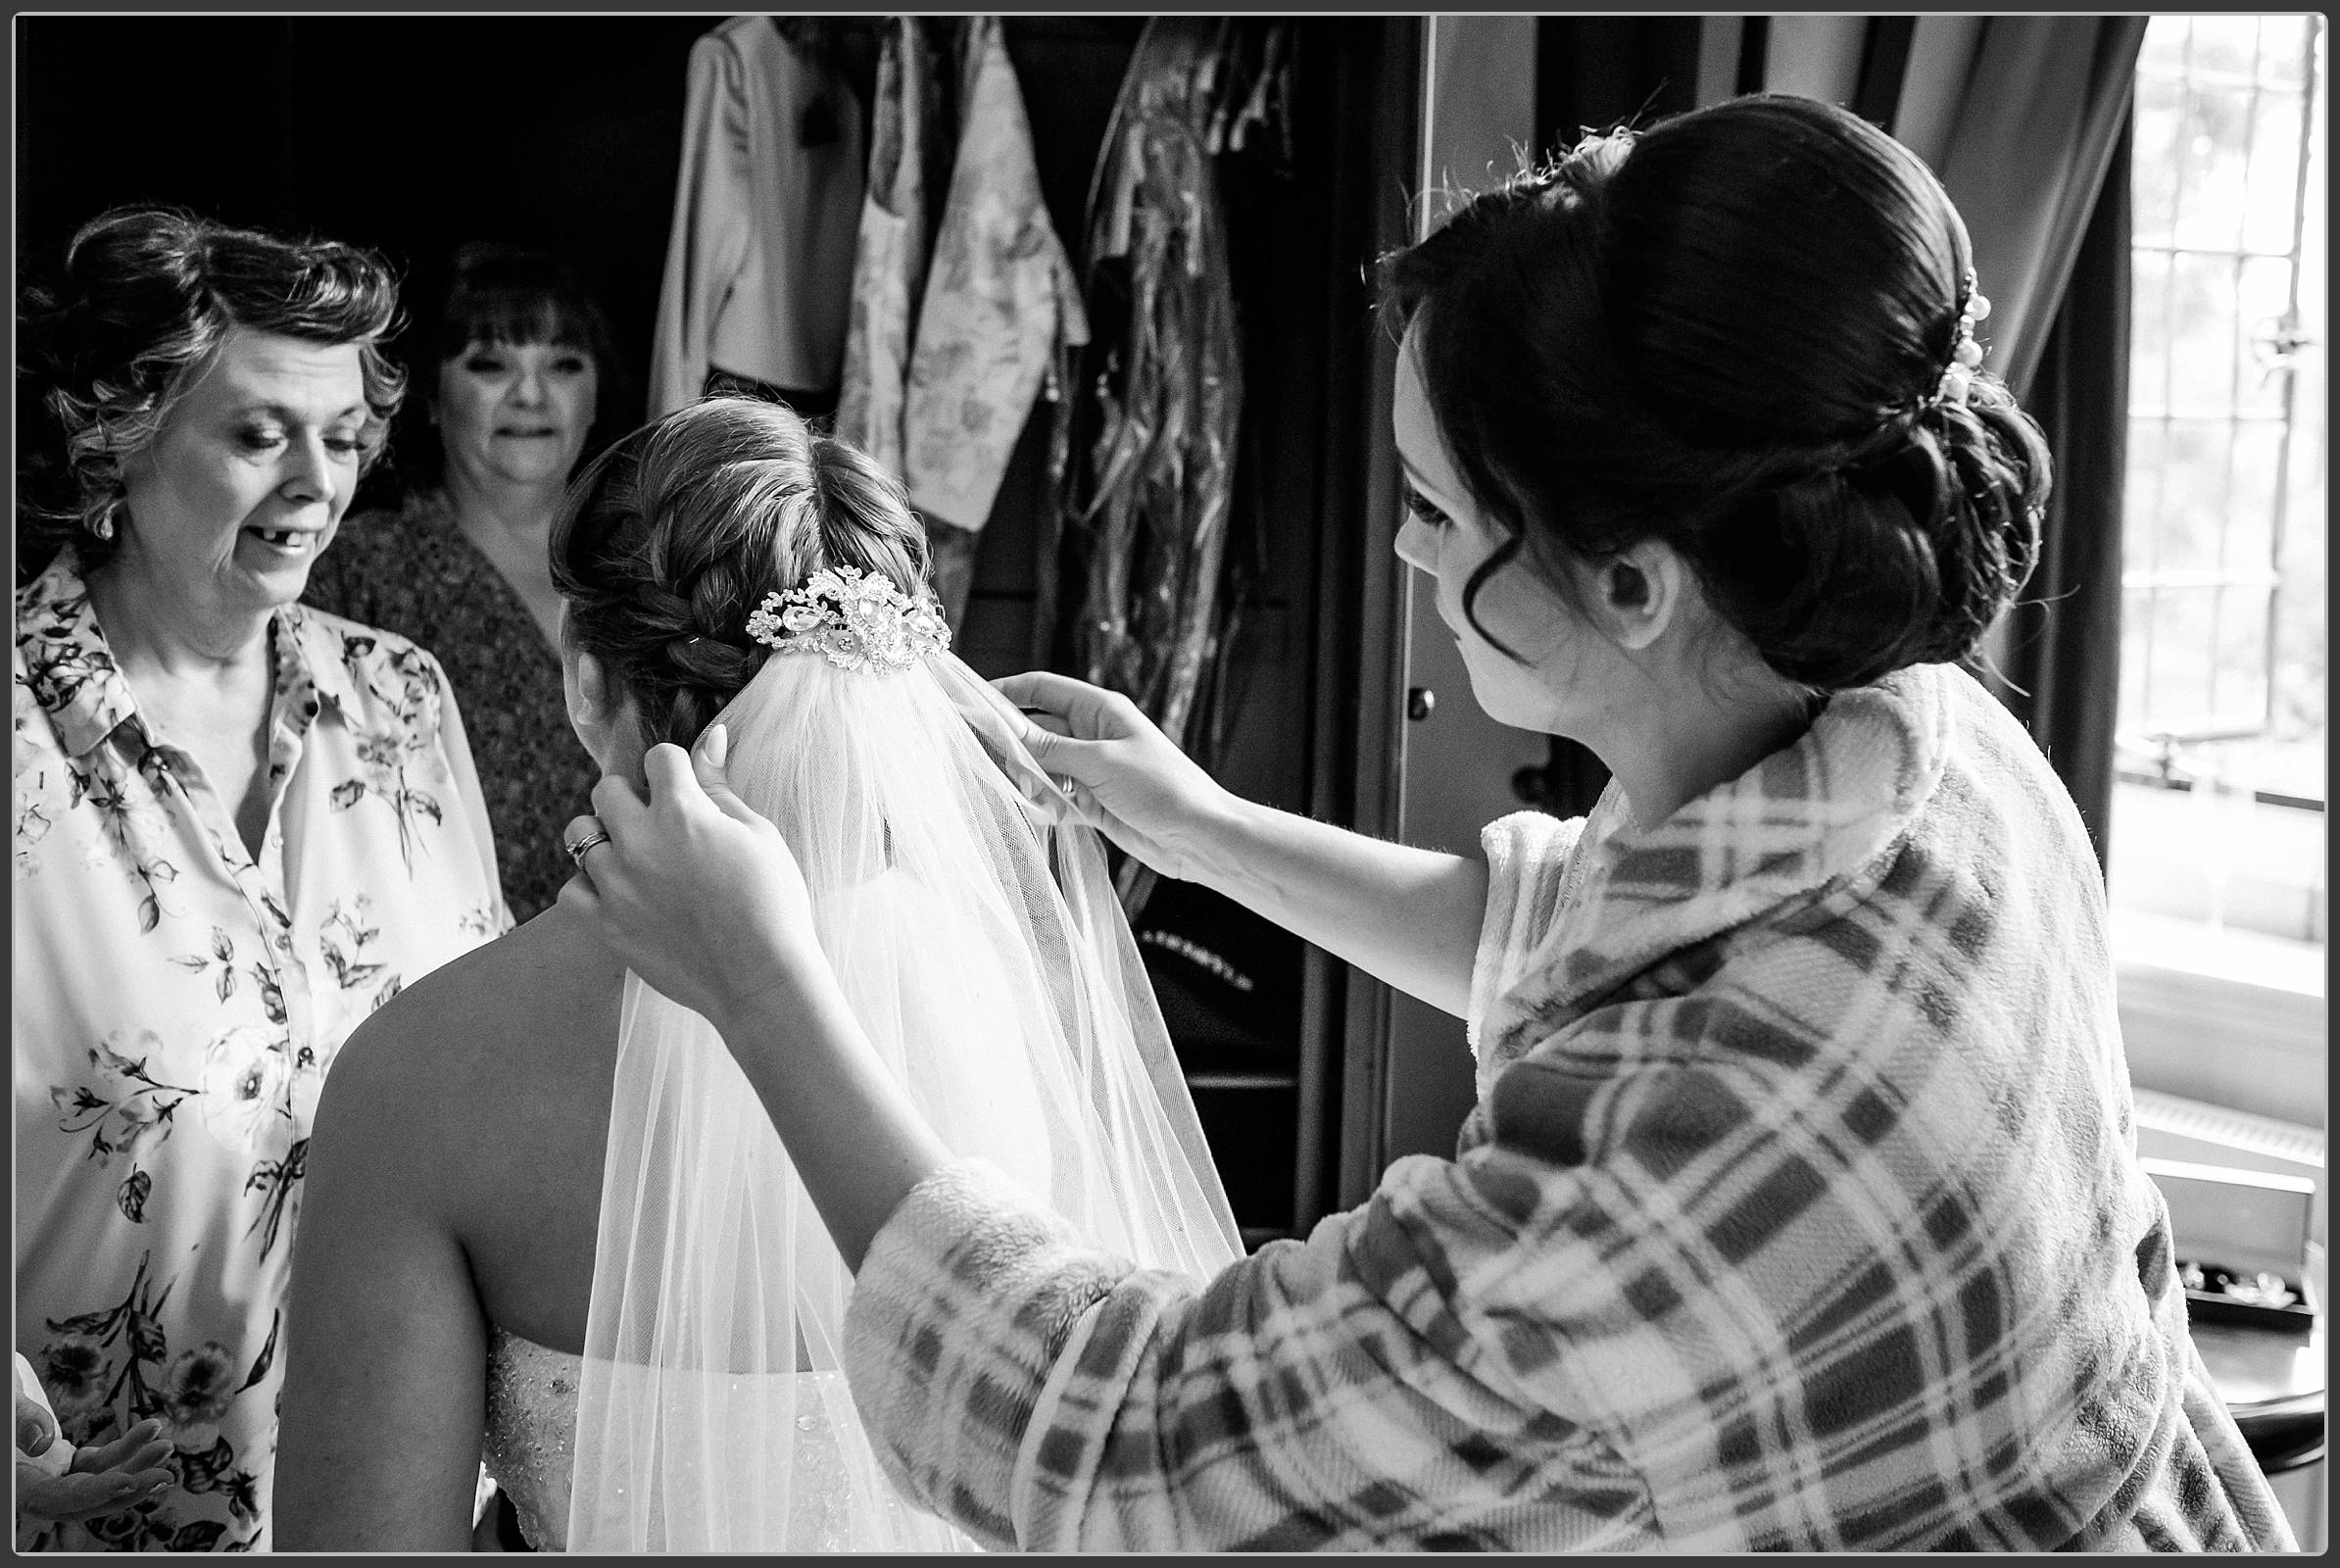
[[413, 571]]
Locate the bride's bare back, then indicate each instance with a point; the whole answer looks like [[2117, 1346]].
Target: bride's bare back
[[454, 1184]]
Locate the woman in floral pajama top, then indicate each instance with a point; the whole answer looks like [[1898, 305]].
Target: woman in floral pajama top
[[1800, 1208], [190, 952]]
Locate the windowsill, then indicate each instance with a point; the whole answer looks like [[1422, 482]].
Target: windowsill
[[2227, 1018], [2228, 954], [2262, 865]]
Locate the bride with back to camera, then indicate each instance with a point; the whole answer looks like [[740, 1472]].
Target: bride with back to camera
[[544, 1202]]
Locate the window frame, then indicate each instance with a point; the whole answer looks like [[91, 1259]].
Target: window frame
[[2152, 736]]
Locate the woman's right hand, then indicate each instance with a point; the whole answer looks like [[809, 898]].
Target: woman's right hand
[[694, 890], [1130, 781]]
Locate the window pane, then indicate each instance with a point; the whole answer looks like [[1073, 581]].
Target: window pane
[[2155, 164], [2137, 661], [2282, 49], [2225, 46], [2210, 203], [2136, 632], [2163, 51], [2302, 663], [2302, 702], [2193, 501], [2223, 546], [2141, 496], [2149, 332], [2240, 675], [2274, 172], [2250, 511], [2205, 335], [2181, 658]]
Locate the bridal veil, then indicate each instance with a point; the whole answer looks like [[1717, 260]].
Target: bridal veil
[[975, 934]]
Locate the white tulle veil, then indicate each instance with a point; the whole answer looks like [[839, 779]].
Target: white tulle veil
[[977, 937]]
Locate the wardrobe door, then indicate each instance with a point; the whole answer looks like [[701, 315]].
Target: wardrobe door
[[1458, 769]]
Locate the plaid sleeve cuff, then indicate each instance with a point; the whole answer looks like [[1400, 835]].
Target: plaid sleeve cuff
[[1526, 853], [961, 1307]]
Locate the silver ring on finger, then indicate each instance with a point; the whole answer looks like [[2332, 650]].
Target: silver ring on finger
[[577, 850]]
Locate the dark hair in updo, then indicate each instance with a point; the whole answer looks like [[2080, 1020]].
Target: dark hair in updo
[[1729, 333], [669, 540], [143, 301]]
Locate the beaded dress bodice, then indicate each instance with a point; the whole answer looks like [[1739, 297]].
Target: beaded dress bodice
[[531, 1428], [529, 1446]]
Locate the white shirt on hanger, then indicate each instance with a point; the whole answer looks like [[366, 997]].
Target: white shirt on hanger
[[759, 262]]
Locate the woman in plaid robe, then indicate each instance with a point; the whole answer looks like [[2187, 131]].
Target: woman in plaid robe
[[1800, 1208]]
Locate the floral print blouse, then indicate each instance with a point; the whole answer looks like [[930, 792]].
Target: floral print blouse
[[176, 1009], [413, 571]]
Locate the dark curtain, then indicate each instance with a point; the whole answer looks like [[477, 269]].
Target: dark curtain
[[2037, 113], [2026, 119], [1884, 66], [1597, 72], [2062, 658]]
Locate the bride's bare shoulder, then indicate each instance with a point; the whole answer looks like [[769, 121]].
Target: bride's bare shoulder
[[534, 1010]]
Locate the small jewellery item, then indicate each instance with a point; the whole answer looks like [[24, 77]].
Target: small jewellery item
[[855, 620], [576, 851], [1966, 354]]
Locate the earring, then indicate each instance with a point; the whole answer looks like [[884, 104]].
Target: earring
[[103, 525]]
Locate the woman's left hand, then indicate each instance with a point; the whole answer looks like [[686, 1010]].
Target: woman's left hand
[[57, 1481], [693, 889], [98, 1481]]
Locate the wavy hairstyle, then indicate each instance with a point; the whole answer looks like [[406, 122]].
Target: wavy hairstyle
[[669, 540], [142, 303], [1729, 333]]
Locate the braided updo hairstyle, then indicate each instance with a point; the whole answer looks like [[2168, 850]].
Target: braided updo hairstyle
[[671, 538], [1729, 333]]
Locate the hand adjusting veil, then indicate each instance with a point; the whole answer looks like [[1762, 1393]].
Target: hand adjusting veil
[[975, 933]]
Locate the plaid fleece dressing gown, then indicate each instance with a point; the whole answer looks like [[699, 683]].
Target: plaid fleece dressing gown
[[1800, 1210]]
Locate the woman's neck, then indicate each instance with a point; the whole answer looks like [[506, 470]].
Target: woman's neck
[[1684, 736], [162, 628], [509, 520], [511, 524]]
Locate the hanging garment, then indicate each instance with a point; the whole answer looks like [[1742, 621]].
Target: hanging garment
[[1000, 299], [759, 262], [894, 246], [1149, 497]]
